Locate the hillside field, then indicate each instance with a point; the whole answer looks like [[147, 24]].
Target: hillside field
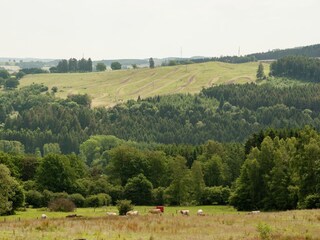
[[220, 223], [112, 87]]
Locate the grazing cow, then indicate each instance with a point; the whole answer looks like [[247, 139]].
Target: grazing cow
[[132, 213], [155, 211], [200, 212], [43, 216], [111, 214], [254, 212], [185, 212]]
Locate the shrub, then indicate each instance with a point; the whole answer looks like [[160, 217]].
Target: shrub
[[47, 197], [312, 201], [124, 206], [101, 199], [264, 231], [104, 199], [116, 192], [34, 198], [57, 195], [158, 196], [92, 201], [77, 199], [216, 195], [61, 205]]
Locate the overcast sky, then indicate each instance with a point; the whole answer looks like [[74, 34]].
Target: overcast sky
[[109, 29]]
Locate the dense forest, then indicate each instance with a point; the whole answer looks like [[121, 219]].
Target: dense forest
[[230, 113], [297, 67], [281, 171], [308, 51], [244, 145]]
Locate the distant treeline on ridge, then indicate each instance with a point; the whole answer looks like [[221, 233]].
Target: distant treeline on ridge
[[73, 65]]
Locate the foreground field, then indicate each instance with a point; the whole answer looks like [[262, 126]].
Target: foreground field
[[219, 223], [109, 88]]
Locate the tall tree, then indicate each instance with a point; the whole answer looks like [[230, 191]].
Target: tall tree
[[73, 65], [56, 174], [11, 195], [151, 62], [198, 182], [82, 65], [63, 66], [89, 65], [139, 190], [260, 72]]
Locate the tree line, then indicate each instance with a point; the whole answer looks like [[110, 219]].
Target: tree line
[[280, 172], [73, 65], [297, 67], [34, 116], [309, 51], [114, 169]]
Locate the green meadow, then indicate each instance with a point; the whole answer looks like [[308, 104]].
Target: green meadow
[[219, 223], [112, 87]]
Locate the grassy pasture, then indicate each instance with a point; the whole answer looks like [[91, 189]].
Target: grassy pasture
[[111, 87], [220, 223]]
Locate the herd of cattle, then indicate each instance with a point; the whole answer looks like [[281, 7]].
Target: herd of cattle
[[154, 211]]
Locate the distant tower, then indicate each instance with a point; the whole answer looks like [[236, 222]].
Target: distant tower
[[239, 51]]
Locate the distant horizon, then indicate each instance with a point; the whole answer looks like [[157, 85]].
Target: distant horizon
[[126, 29], [107, 59]]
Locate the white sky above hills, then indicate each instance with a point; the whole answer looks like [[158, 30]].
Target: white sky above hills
[[110, 29]]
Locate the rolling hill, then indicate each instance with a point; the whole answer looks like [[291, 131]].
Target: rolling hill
[[111, 87]]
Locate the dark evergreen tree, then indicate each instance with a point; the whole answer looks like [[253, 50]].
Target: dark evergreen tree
[[151, 62], [63, 66], [260, 72]]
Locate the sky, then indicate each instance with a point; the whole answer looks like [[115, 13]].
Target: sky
[[115, 29]]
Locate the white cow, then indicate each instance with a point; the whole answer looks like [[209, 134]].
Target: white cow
[[155, 211], [111, 214], [132, 213], [200, 212], [254, 212], [185, 212]]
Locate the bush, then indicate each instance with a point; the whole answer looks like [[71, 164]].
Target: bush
[[99, 200], [158, 196], [264, 231], [61, 205], [29, 185], [116, 192], [124, 206], [216, 195], [312, 201], [92, 201], [77, 199], [104, 199], [34, 198], [57, 195], [47, 197]]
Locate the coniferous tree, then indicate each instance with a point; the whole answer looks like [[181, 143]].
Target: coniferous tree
[[63, 66], [73, 65], [151, 62], [260, 72], [89, 65]]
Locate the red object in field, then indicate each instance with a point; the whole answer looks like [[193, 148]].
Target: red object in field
[[161, 208]]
